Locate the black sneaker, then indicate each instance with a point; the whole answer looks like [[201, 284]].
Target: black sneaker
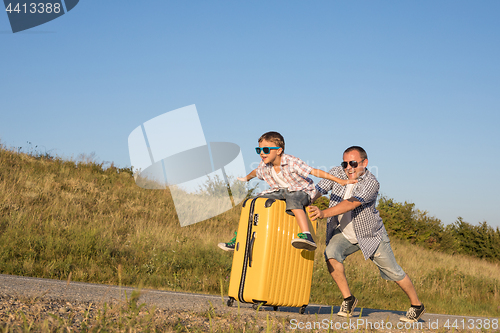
[[347, 307], [230, 245], [413, 314], [304, 242]]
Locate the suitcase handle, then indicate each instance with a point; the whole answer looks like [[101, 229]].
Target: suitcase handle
[[250, 251]]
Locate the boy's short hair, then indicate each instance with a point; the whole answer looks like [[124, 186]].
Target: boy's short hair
[[275, 138], [360, 150]]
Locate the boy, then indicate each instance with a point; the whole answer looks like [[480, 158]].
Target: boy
[[287, 177]]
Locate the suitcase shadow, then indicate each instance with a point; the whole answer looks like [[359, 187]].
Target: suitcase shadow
[[327, 310]]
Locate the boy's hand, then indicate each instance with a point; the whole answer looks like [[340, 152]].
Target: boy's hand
[[314, 213], [242, 179]]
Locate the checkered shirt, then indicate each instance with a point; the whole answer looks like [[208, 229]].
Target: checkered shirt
[[295, 173], [367, 223]]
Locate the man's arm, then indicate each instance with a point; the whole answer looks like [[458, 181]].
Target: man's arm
[[342, 208]]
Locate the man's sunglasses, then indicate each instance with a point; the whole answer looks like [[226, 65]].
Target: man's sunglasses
[[266, 150], [353, 164]]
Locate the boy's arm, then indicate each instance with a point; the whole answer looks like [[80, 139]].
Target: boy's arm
[[251, 175], [325, 175]]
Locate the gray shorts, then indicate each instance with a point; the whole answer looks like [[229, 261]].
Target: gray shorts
[[294, 200], [339, 248]]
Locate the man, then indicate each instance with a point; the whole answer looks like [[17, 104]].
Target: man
[[354, 224]]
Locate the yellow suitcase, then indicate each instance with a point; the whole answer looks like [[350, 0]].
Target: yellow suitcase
[[267, 269]]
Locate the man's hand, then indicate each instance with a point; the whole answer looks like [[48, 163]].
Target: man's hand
[[242, 179], [314, 213]]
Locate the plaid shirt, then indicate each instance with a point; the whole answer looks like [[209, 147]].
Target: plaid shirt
[[295, 173], [366, 220]]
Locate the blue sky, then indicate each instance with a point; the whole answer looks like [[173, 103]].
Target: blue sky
[[416, 83]]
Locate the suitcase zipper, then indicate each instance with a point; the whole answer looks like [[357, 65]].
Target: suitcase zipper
[[248, 249]]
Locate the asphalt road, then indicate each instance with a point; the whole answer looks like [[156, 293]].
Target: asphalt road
[[316, 316]]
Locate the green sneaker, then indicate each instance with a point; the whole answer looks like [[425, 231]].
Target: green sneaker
[[304, 242], [229, 246]]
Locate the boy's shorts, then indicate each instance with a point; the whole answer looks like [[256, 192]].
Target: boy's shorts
[[294, 200], [339, 248]]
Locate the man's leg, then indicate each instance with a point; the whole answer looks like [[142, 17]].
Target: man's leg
[[336, 251], [390, 270], [337, 272], [417, 308], [409, 290]]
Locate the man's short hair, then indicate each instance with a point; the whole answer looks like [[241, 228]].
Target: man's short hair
[[275, 138], [360, 150]]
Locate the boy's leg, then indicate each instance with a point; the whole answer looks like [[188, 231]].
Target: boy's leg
[[295, 204], [277, 195], [305, 240], [229, 246], [300, 216]]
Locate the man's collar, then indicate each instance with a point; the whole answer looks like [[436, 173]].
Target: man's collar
[[363, 175]]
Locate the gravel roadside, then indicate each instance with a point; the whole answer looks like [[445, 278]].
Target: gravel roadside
[[43, 305]]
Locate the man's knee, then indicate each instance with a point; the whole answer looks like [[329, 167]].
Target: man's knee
[[334, 265]]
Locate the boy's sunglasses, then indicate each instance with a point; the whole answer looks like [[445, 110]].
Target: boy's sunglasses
[[266, 150], [354, 164]]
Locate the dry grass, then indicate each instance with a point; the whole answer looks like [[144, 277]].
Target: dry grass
[[58, 217]]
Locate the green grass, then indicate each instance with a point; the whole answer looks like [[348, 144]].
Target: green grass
[[60, 217]]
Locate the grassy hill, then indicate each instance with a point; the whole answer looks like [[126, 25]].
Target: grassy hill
[[62, 218]]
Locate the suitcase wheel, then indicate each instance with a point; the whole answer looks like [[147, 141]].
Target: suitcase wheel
[[257, 305], [302, 309], [275, 308], [230, 301]]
